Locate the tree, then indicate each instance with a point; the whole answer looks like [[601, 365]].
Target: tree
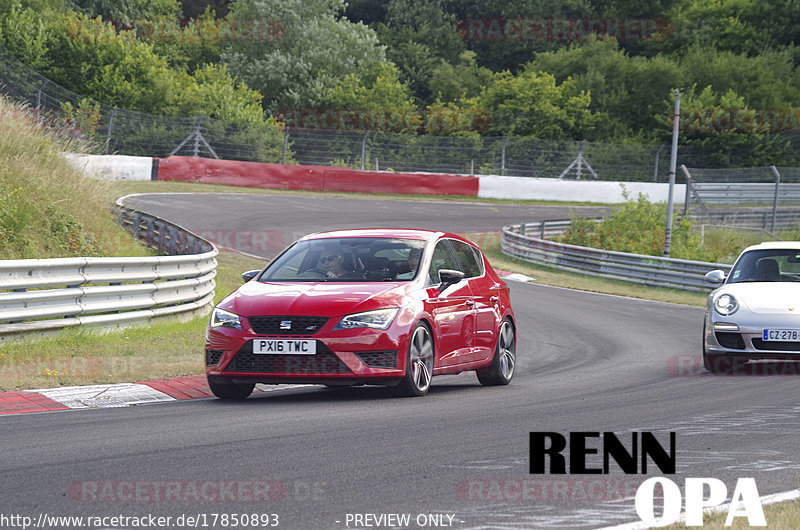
[[630, 91], [730, 133], [419, 34], [129, 11], [376, 100], [533, 104], [450, 82], [298, 50]]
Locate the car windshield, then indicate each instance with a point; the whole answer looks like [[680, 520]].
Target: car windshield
[[348, 259], [768, 265]]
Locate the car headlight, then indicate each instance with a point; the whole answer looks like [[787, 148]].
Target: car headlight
[[726, 304], [226, 319], [378, 319]]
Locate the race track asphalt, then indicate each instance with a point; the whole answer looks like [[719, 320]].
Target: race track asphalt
[[586, 362]]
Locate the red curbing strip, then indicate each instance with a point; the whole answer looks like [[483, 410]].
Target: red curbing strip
[[21, 402], [191, 387], [182, 387], [179, 388]]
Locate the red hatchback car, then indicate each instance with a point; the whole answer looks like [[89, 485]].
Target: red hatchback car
[[387, 307]]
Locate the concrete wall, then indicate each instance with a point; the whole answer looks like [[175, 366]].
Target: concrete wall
[[329, 178], [602, 191], [113, 167]]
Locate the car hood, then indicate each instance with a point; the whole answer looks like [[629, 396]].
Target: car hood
[[767, 297], [313, 298]]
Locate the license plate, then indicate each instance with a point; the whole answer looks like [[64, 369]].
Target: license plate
[[782, 335], [285, 347]]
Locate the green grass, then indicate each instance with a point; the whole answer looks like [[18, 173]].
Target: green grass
[[785, 515], [48, 208]]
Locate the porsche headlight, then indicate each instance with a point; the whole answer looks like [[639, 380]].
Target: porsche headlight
[[226, 319], [378, 319], [726, 304]]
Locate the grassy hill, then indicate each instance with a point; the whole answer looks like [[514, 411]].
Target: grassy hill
[[49, 209]]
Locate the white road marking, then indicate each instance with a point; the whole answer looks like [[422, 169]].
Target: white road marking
[[102, 396]]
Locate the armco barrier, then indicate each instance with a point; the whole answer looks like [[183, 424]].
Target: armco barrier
[[48, 294], [312, 178], [637, 268]]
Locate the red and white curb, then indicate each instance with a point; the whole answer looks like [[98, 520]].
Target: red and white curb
[[103, 396], [110, 396]]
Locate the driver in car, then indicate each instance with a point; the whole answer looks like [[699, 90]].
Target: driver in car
[[335, 266]]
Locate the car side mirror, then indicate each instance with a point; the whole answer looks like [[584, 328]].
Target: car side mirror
[[249, 275], [715, 276], [449, 277]]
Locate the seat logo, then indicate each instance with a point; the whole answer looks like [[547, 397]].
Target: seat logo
[[286, 324]]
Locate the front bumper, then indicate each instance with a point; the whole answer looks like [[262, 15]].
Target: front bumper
[[747, 339], [357, 356]]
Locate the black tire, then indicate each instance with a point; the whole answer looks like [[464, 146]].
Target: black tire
[[501, 371], [229, 390], [419, 363]]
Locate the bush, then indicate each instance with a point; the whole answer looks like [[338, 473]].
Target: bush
[[638, 227]]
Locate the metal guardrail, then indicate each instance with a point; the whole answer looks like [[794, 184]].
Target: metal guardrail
[[752, 218], [637, 268], [746, 192], [49, 294]]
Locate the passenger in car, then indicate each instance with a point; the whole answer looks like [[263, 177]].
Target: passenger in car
[[410, 269]]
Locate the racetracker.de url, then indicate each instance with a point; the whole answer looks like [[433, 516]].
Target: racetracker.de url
[[198, 520]]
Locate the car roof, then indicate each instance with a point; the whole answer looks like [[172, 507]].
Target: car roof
[[774, 245], [403, 233]]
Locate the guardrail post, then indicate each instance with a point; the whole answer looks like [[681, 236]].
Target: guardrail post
[[541, 230], [775, 199], [285, 145], [364, 150], [503, 156]]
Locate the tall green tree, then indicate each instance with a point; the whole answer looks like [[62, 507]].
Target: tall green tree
[[419, 34], [299, 50], [533, 104]]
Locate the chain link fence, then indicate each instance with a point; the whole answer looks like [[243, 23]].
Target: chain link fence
[[766, 198], [129, 132]]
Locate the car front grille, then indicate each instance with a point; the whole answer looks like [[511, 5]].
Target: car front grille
[[213, 357], [731, 341], [323, 362], [378, 359], [760, 344], [299, 326]]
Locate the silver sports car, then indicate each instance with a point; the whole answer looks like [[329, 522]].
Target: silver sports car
[[755, 313]]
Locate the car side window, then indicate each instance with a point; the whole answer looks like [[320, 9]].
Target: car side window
[[466, 259], [442, 259]]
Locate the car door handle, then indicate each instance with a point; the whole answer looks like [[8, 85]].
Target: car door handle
[[494, 299], [470, 302]]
